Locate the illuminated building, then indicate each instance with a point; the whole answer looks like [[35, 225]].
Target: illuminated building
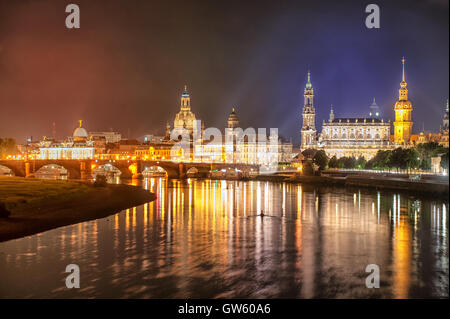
[[354, 136], [155, 151], [185, 119], [109, 137], [308, 131], [241, 149], [403, 109], [78, 146], [442, 138]]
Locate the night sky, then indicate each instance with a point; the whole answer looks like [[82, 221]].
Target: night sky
[[126, 66]]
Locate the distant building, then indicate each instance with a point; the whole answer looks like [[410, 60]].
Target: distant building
[[155, 151], [109, 137], [150, 138], [247, 151], [442, 137]]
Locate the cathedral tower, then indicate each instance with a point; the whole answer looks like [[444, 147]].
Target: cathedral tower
[[308, 131], [403, 109]]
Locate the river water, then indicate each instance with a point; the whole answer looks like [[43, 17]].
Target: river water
[[203, 239]]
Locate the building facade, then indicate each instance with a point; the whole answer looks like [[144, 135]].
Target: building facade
[[354, 137], [78, 146], [237, 147], [109, 137]]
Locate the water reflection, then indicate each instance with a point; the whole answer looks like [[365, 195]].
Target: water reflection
[[204, 238]]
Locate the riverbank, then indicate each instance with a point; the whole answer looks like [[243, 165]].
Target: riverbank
[[38, 205], [415, 187], [424, 187]]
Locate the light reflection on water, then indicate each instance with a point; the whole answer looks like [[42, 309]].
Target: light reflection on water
[[202, 238]]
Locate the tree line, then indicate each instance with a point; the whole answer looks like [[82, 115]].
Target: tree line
[[418, 157], [7, 146]]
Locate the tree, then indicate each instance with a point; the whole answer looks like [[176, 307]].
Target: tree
[[333, 162], [381, 159], [444, 159], [411, 158], [7, 146], [397, 159], [321, 159], [361, 162], [350, 162]]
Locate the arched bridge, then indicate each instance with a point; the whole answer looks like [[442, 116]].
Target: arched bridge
[[82, 169]]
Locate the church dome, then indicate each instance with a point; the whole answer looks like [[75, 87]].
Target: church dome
[[80, 132], [233, 120]]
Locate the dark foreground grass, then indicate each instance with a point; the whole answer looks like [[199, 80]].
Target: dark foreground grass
[[16, 192]]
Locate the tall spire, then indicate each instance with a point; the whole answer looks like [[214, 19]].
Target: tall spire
[[308, 84], [403, 83], [81, 122]]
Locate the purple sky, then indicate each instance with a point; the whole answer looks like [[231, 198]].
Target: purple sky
[[126, 66]]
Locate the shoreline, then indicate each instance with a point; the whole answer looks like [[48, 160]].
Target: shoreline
[[417, 188], [98, 203]]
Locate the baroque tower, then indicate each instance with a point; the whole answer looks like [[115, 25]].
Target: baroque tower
[[403, 109], [308, 131]]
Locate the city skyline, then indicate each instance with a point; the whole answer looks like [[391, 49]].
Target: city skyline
[[133, 73]]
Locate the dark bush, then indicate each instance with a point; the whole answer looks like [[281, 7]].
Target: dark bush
[[100, 181], [4, 213]]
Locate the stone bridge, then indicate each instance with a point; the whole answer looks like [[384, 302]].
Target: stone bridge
[[82, 169]]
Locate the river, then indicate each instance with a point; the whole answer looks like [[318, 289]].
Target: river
[[204, 239]]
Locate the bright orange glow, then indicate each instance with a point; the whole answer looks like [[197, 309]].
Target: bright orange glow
[[133, 169]]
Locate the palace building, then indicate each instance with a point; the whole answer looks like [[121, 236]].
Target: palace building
[[354, 136]]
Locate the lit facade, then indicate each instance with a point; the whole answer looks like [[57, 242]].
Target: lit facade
[[355, 137], [236, 149], [78, 146], [403, 108], [155, 151]]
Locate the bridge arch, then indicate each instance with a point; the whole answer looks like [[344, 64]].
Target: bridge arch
[[6, 171], [52, 171], [154, 171], [111, 172]]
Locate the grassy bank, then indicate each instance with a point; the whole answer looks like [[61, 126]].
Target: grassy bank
[[39, 205]]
